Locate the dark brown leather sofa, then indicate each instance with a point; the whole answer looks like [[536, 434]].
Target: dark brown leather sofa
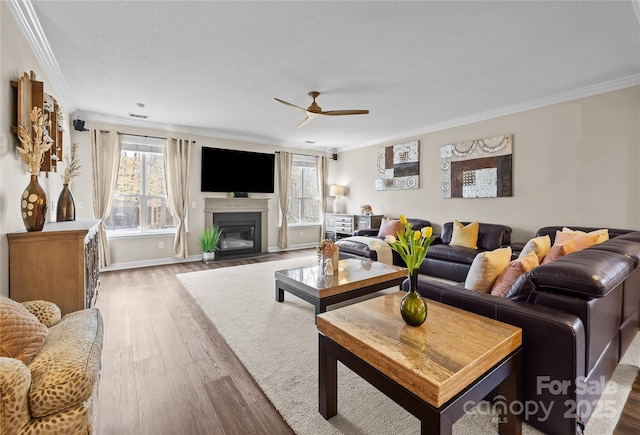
[[578, 314], [454, 262]]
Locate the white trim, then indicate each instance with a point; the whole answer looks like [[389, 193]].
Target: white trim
[[588, 91], [28, 22]]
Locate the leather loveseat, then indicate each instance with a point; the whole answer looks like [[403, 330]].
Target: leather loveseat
[[578, 314]]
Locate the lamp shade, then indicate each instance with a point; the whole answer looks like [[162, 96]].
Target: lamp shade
[[336, 190]]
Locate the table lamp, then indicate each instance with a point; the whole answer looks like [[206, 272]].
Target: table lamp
[[337, 191]]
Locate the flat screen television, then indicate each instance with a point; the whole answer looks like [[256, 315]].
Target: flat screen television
[[226, 170]]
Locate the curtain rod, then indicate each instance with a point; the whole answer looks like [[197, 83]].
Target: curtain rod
[[139, 135]]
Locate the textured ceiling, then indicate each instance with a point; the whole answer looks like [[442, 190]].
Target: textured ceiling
[[214, 67]]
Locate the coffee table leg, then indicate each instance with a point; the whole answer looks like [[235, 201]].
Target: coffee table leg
[[510, 389], [279, 293], [328, 380]]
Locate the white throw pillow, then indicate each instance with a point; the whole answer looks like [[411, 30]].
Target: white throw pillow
[[486, 268]]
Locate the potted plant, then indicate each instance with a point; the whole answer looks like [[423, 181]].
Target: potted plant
[[209, 240]]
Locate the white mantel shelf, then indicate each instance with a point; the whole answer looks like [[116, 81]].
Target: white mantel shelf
[[234, 205]]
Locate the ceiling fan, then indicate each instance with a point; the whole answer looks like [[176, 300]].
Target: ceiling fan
[[313, 111]]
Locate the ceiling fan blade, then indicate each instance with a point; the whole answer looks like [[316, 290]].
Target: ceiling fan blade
[[305, 121], [345, 112], [291, 105]]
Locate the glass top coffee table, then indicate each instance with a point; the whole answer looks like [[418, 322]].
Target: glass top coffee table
[[355, 277]]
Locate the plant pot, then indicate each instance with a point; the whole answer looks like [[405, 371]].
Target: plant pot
[[208, 257]]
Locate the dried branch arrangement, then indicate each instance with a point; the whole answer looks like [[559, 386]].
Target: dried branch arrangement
[[72, 169], [33, 141]]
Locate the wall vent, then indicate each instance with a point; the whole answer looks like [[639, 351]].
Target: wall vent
[[137, 115]]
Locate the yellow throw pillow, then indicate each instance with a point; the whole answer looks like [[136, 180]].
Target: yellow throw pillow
[[21, 334], [539, 245], [603, 234], [465, 236], [486, 268], [513, 271]]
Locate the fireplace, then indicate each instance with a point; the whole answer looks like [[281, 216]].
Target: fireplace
[[243, 222], [241, 233]]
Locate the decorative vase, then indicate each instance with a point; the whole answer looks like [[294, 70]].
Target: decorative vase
[[412, 307], [335, 258], [66, 210], [208, 257], [34, 205]]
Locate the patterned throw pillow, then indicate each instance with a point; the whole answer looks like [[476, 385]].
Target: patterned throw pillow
[[465, 236], [21, 334], [486, 268]]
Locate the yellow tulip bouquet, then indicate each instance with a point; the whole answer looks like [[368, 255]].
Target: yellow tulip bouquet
[[412, 245]]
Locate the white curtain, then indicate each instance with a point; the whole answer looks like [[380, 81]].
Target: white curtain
[[284, 179], [105, 153], [322, 169], [177, 155]]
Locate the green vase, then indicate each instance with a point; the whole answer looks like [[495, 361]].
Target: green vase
[[413, 308]]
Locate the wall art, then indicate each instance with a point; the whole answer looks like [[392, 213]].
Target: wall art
[[477, 168], [399, 166]]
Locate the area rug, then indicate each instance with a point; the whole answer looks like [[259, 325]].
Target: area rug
[[277, 343]]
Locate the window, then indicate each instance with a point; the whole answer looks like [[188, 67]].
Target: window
[[304, 197], [140, 203]]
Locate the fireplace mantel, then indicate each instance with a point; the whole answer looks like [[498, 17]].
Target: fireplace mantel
[[239, 205], [235, 205]]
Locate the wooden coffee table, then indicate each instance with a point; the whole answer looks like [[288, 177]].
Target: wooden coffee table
[[354, 278], [436, 371]]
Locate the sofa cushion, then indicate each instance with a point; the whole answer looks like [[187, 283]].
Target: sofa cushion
[[66, 369], [486, 268], [559, 250], [21, 333], [513, 270], [389, 227], [465, 235], [581, 240], [456, 254], [539, 245]]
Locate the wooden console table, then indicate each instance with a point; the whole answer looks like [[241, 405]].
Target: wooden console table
[[58, 264]]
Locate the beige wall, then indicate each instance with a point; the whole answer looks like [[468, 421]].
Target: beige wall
[[574, 163], [17, 58]]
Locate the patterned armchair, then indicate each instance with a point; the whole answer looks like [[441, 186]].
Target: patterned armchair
[[49, 368]]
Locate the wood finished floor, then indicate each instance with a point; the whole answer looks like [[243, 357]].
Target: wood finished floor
[[167, 370]]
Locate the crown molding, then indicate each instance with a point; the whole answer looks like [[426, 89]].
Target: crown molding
[[588, 91], [28, 22]]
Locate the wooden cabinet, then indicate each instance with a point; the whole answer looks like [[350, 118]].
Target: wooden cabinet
[[58, 264], [342, 225]]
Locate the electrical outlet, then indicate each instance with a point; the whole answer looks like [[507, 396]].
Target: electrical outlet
[[79, 205], [161, 245], [194, 204]]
